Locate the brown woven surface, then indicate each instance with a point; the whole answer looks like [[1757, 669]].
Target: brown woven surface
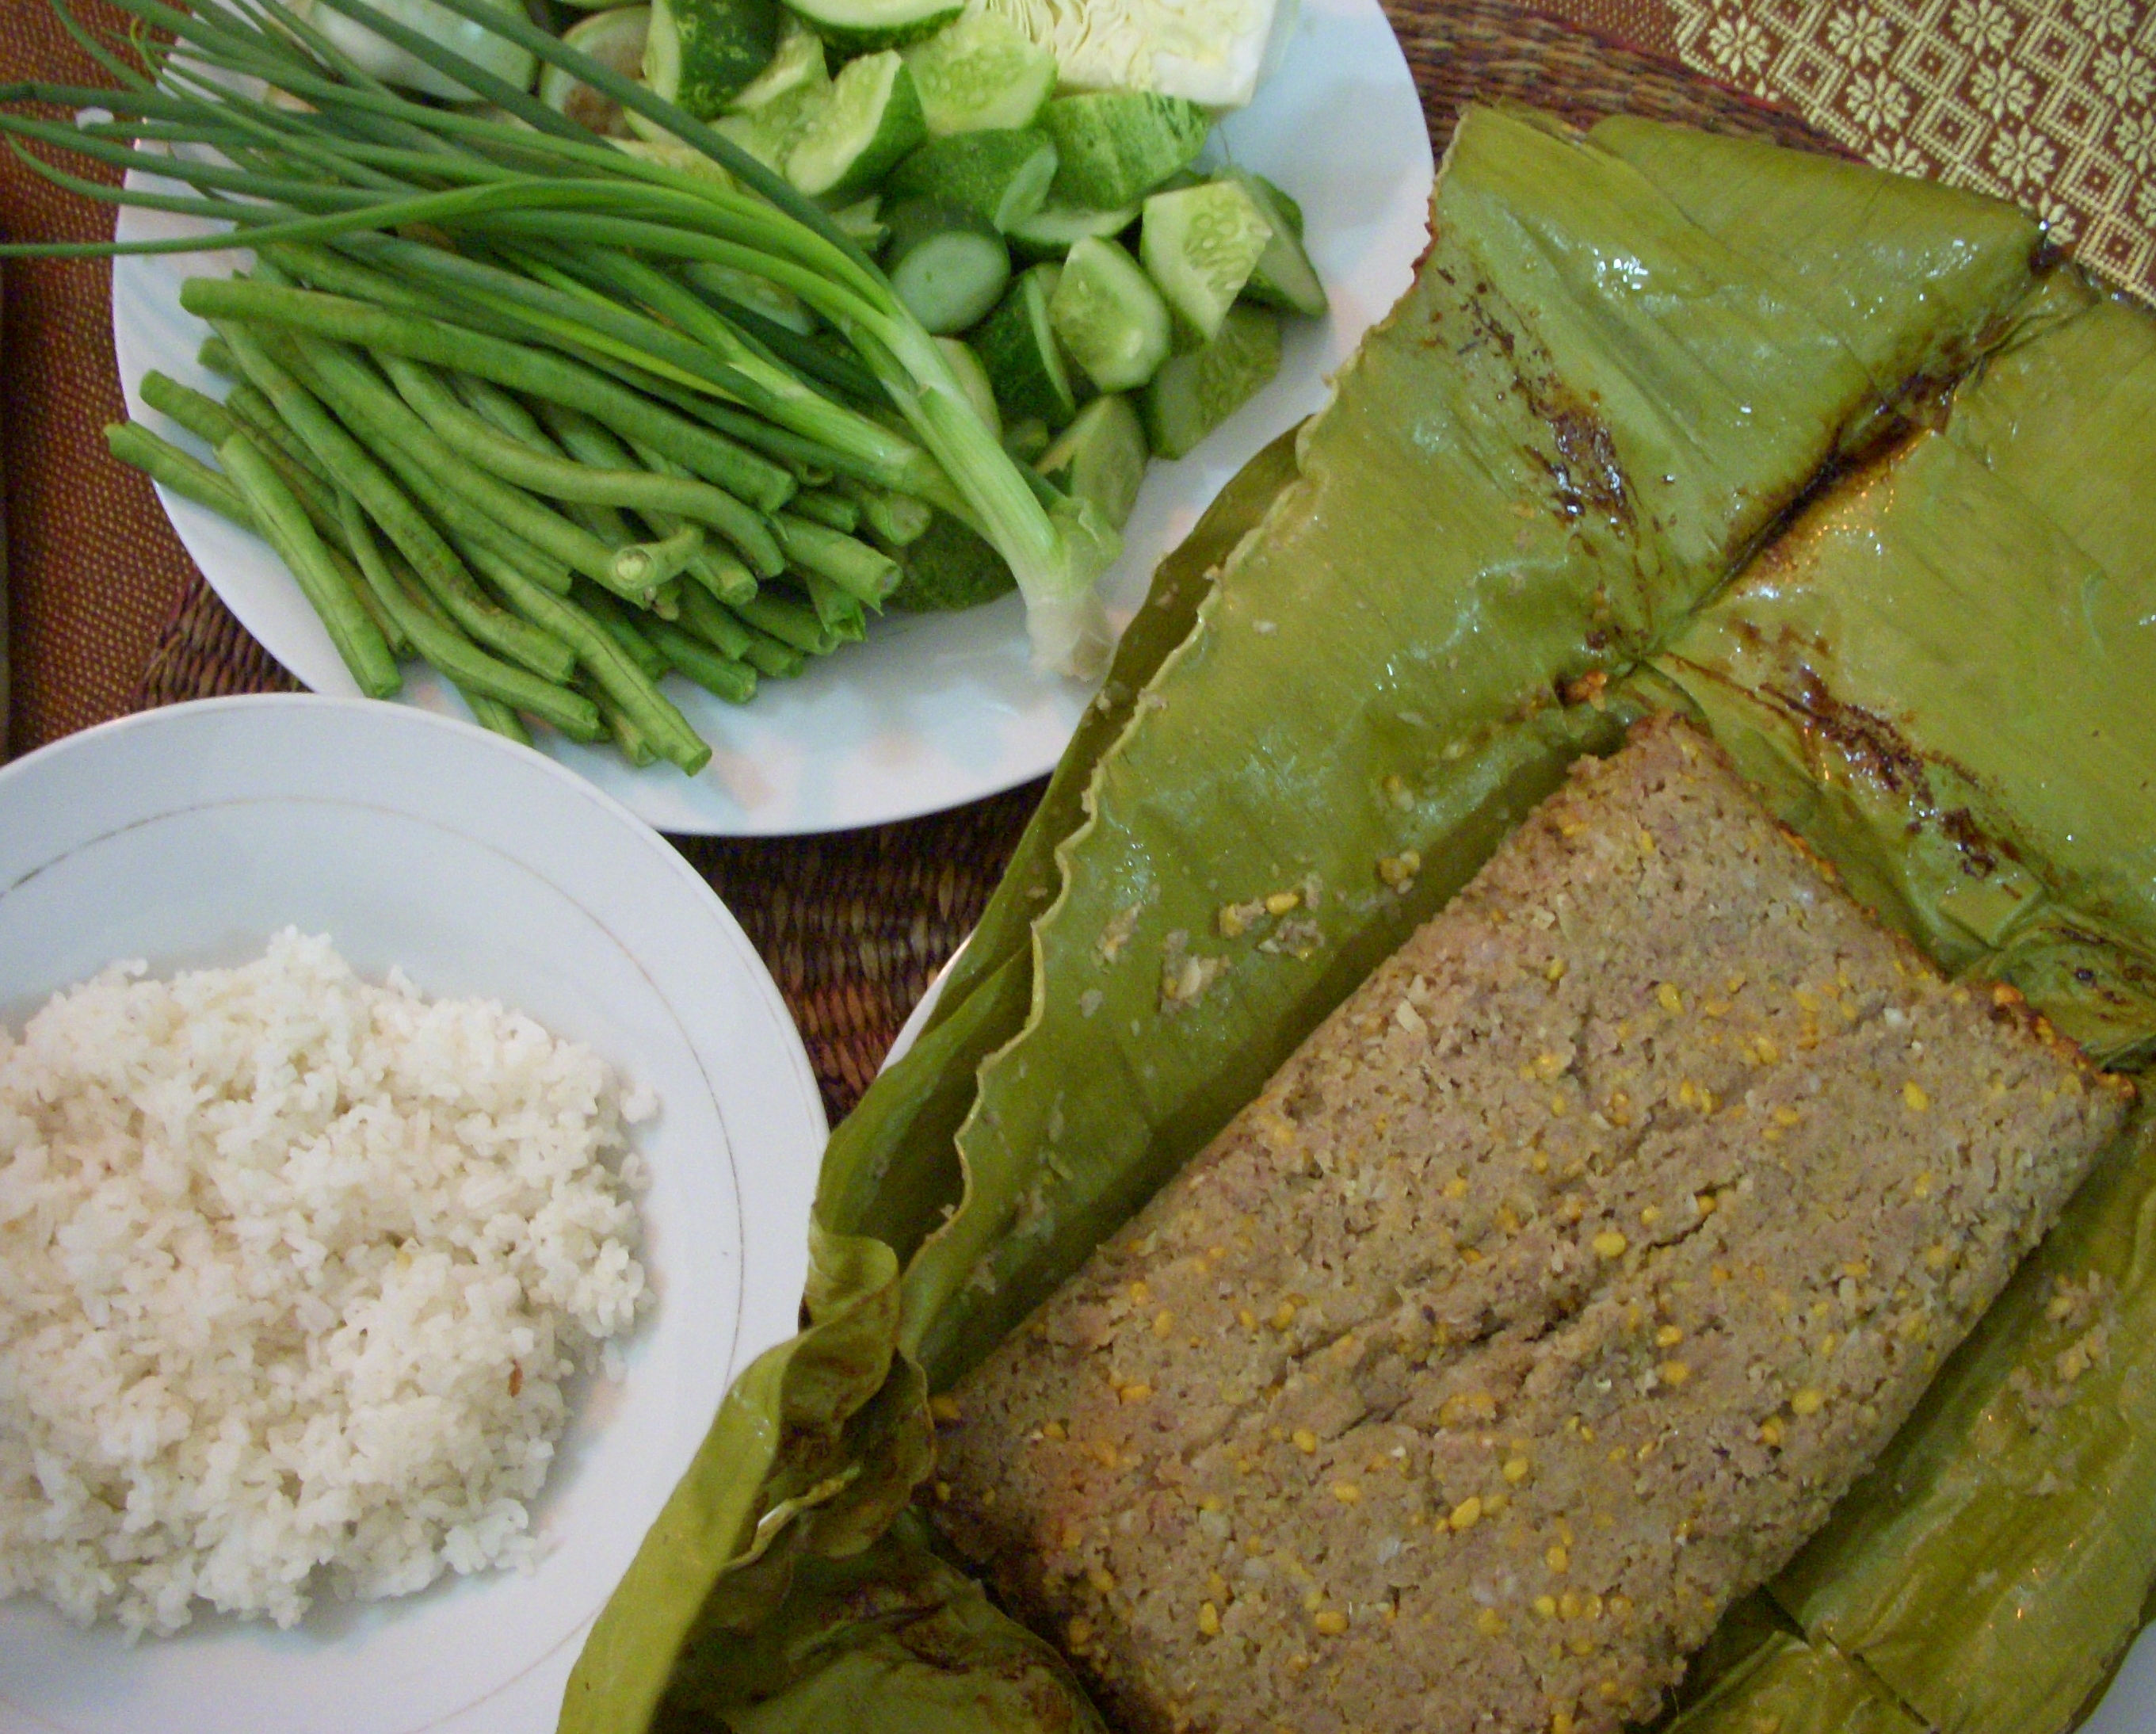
[[853, 926]]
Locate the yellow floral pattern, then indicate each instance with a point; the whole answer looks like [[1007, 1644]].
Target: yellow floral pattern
[[2051, 103]]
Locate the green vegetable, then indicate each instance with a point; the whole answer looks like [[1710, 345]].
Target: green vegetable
[[947, 567], [617, 36], [1109, 318], [1018, 348], [973, 378], [797, 64], [1199, 247], [868, 119], [1799, 1688], [1283, 276], [947, 264], [1115, 146], [1194, 393], [702, 54], [1100, 457], [863, 26], [1054, 229], [980, 73], [733, 681], [1002, 175], [379, 54]]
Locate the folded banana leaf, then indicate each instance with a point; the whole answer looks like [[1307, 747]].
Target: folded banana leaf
[[1939, 672], [1993, 1565], [1790, 1686], [1604, 387]]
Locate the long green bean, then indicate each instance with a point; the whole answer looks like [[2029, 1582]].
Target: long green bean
[[857, 569], [603, 659], [493, 715], [283, 525], [724, 575], [839, 612], [634, 744], [625, 631], [471, 437], [720, 675], [214, 423], [833, 510], [467, 666], [788, 622], [385, 502], [516, 366], [716, 625], [897, 520]]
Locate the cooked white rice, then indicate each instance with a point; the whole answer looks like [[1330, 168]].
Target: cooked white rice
[[292, 1270]]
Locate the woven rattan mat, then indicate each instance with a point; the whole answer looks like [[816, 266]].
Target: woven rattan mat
[[852, 925]]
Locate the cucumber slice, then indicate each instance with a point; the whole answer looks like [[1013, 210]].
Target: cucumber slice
[[1283, 276], [1109, 318], [981, 74], [1101, 456], [484, 48], [856, 27], [1053, 230], [700, 53], [615, 39], [1025, 440], [1115, 146], [797, 64], [860, 221], [948, 567], [948, 266], [1194, 392], [1200, 246], [973, 380], [868, 119], [1017, 346], [1003, 175]]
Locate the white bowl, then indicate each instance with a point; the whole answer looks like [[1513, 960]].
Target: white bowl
[[186, 837]]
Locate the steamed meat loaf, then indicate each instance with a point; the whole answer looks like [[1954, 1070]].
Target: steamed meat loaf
[[1539, 1307]]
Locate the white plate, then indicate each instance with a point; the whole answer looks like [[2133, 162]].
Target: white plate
[[932, 711], [187, 837]]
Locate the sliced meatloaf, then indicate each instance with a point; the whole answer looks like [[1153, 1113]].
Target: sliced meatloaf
[[1539, 1307]]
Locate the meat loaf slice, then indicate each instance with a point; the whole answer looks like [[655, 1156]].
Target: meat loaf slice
[[1540, 1306]]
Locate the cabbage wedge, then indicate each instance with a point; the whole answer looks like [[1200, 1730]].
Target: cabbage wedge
[[1609, 383]]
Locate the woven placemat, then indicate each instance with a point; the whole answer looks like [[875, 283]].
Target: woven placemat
[[854, 925]]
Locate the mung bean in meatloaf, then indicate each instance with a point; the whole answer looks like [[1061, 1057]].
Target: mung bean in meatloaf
[[1539, 1307]]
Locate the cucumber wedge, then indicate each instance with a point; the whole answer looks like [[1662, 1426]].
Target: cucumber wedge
[[1002, 175], [615, 39], [1199, 247], [948, 266], [770, 114], [1192, 393], [860, 220], [870, 120], [700, 53], [981, 74], [1283, 276], [797, 64], [1101, 456], [856, 27], [1026, 440], [973, 380], [950, 567], [1115, 146], [1053, 230], [1108, 317], [1017, 346]]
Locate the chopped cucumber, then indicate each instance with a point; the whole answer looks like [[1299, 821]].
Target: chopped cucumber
[[1198, 247], [796, 64], [983, 73], [1017, 345], [860, 221], [1192, 393], [1283, 276], [1053, 230], [700, 53], [1100, 457], [1003, 175], [948, 567], [759, 294], [1115, 146], [478, 43], [1025, 440], [613, 38], [869, 120], [1108, 317], [865, 26], [973, 380], [948, 266]]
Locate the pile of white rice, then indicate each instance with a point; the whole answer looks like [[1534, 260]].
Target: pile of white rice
[[292, 1269]]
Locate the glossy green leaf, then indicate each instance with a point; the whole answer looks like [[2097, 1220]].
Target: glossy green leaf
[[1790, 1686]]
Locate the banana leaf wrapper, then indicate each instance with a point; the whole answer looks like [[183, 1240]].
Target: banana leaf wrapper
[[1937, 673], [1995, 1563], [1789, 1686], [1589, 407]]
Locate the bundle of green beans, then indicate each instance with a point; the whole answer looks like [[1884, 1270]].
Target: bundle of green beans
[[486, 405]]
